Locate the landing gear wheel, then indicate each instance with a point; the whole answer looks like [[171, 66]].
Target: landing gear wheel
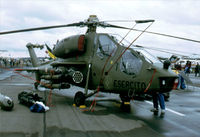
[[125, 105], [36, 84], [79, 99]]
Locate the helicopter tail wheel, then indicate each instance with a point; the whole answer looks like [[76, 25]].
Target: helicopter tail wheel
[[79, 99]]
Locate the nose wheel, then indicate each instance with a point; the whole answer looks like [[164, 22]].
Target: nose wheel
[[79, 99]]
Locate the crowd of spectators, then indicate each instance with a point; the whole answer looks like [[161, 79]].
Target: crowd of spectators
[[14, 62]]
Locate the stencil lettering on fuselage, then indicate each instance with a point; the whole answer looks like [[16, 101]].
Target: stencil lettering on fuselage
[[129, 85]]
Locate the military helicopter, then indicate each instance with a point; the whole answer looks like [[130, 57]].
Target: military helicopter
[[99, 62]]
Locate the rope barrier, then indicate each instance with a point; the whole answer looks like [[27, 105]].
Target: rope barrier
[[25, 76], [150, 82]]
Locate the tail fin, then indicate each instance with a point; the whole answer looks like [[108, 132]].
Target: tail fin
[[34, 59], [49, 51]]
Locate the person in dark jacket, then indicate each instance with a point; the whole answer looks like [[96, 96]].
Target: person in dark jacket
[[187, 68], [197, 69]]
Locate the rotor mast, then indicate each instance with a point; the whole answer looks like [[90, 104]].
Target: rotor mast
[[92, 23]]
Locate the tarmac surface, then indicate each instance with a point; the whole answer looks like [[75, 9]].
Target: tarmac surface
[[107, 120]]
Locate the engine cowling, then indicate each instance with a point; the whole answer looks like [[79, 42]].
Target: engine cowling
[[70, 46]]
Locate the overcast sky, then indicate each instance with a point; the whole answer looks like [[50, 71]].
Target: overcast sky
[[174, 17]]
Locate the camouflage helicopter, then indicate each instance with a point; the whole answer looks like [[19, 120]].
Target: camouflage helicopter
[[99, 62]]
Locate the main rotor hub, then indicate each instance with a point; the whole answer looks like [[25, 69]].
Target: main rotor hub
[[92, 19]]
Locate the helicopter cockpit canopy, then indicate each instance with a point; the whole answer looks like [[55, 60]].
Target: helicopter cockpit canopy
[[141, 51], [130, 63], [148, 56], [107, 46]]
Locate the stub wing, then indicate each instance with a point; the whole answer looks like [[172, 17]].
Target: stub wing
[[50, 66], [31, 69], [68, 63]]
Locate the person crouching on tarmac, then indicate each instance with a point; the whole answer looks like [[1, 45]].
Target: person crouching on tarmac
[[158, 97]]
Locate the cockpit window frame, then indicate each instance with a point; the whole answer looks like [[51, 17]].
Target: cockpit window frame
[[135, 68], [100, 51], [147, 56]]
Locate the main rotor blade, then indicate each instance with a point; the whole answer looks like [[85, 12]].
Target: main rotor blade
[[136, 21], [41, 28], [144, 21], [176, 52], [161, 34], [118, 21]]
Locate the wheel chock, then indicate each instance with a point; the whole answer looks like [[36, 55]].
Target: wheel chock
[[126, 103], [82, 106]]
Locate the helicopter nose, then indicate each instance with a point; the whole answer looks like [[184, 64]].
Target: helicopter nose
[[167, 83]]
